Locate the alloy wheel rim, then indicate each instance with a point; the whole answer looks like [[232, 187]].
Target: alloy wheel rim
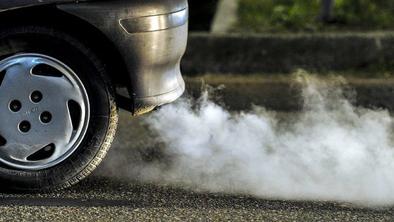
[[44, 111]]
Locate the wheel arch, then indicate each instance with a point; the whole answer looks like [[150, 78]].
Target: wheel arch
[[50, 16]]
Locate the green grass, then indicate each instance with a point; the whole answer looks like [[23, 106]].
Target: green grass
[[302, 15]]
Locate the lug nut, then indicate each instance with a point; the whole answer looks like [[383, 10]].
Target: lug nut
[[24, 126], [36, 96], [46, 117], [15, 105]]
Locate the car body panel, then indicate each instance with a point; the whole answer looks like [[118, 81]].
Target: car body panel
[[11, 4], [150, 35], [152, 48]]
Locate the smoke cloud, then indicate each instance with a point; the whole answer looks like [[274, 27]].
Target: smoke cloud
[[330, 150]]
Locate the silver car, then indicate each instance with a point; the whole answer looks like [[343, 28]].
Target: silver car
[[66, 66]]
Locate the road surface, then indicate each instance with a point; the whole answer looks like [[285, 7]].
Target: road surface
[[113, 193]]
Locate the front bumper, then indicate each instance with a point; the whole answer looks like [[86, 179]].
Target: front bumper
[[151, 36]]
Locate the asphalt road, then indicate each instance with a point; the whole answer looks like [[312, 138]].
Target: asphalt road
[[113, 193], [106, 199]]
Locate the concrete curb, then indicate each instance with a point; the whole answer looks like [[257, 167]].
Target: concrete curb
[[236, 53], [283, 94]]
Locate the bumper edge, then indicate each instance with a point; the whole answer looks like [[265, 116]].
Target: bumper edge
[[147, 104]]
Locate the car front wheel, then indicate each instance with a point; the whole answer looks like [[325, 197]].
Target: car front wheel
[[58, 116]]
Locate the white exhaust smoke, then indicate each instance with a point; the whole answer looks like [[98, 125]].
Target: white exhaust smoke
[[329, 151]]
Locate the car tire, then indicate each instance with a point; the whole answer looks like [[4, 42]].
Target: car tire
[[99, 122]]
